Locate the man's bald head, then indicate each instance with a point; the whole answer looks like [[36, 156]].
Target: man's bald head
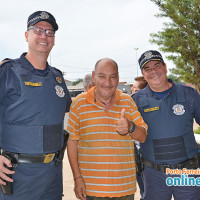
[[104, 61]]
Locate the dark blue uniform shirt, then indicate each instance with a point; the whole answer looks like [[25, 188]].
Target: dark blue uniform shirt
[[170, 136], [32, 107], [10, 85]]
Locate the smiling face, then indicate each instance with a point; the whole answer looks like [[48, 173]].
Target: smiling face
[[40, 43], [106, 79], [155, 73]]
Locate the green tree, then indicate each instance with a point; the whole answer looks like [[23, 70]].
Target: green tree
[[174, 78], [77, 81], [180, 37]]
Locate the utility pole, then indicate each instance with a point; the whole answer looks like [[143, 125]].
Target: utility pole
[[136, 50]]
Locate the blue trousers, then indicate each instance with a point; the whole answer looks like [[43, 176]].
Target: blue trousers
[[140, 182], [36, 182], [156, 189]]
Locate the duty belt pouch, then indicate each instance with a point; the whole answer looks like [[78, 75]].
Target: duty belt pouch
[[60, 154], [8, 188], [193, 163], [199, 159], [138, 160], [199, 154]]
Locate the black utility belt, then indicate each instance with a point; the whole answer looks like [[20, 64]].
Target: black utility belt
[[22, 158], [16, 158], [189, 164]]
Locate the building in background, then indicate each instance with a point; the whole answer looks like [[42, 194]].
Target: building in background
[[74, 90]]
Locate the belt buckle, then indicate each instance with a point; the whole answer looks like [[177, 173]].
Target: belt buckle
[[49, 157]]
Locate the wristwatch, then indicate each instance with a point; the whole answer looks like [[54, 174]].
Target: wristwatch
[[132, 127]]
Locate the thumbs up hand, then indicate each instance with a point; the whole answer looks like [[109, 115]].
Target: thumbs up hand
[[123, 125], [123, 114]]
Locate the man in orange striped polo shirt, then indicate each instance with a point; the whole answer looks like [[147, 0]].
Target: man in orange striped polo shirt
[[102, 125]]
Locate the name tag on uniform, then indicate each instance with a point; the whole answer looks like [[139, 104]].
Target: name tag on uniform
[[151, 109], [33, 84]]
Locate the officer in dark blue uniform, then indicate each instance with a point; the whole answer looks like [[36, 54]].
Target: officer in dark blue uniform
[[169, 110], [33, 102]]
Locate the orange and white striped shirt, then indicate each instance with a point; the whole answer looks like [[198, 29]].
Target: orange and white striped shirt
[[106, 158]]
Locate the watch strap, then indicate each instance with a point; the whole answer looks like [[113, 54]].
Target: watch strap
[[132, 127]]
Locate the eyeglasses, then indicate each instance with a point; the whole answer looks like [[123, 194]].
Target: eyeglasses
[[39, 31]]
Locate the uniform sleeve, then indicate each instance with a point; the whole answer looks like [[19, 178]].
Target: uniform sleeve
[[136, 116], [2, 82], [57, 72], [69, 101], [10, 89], [133, 96], [196, 107], [73, 124]]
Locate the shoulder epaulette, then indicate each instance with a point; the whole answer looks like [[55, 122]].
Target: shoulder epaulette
[[4, 61], [58, 70], [188, 85]]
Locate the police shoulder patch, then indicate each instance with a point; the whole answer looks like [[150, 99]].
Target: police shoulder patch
[[59, 79], [59, 91]]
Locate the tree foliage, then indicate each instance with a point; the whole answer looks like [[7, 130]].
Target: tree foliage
[[180, 37], [77, 81], [174, 78]]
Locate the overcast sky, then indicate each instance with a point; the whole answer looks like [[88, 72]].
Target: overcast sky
[[88, 31]]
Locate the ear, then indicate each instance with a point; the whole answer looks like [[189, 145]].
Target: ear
[[143, 75], [26, 36], [89, 86], [53, 40], [118, 77], [93, 76], [165, 68]]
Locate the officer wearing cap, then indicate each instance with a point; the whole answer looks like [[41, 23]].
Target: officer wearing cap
[[33, 102], [169, 110]]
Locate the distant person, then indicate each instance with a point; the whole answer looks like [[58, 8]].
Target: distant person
[[169, 110], [139, 84], [33, 102], [102, 125], [87, 82]]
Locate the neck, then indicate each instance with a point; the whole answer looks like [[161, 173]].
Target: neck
[[107, 103], [162, 88], [38, 61]]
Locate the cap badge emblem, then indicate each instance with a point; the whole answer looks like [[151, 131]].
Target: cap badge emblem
[[44, 15], [148, 55], [178, 109]]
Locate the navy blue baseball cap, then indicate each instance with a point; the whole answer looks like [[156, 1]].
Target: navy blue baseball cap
[[151, 55], [42, 16]]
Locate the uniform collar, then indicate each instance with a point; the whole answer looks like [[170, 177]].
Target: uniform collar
[[149, 91], [28, 66]]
